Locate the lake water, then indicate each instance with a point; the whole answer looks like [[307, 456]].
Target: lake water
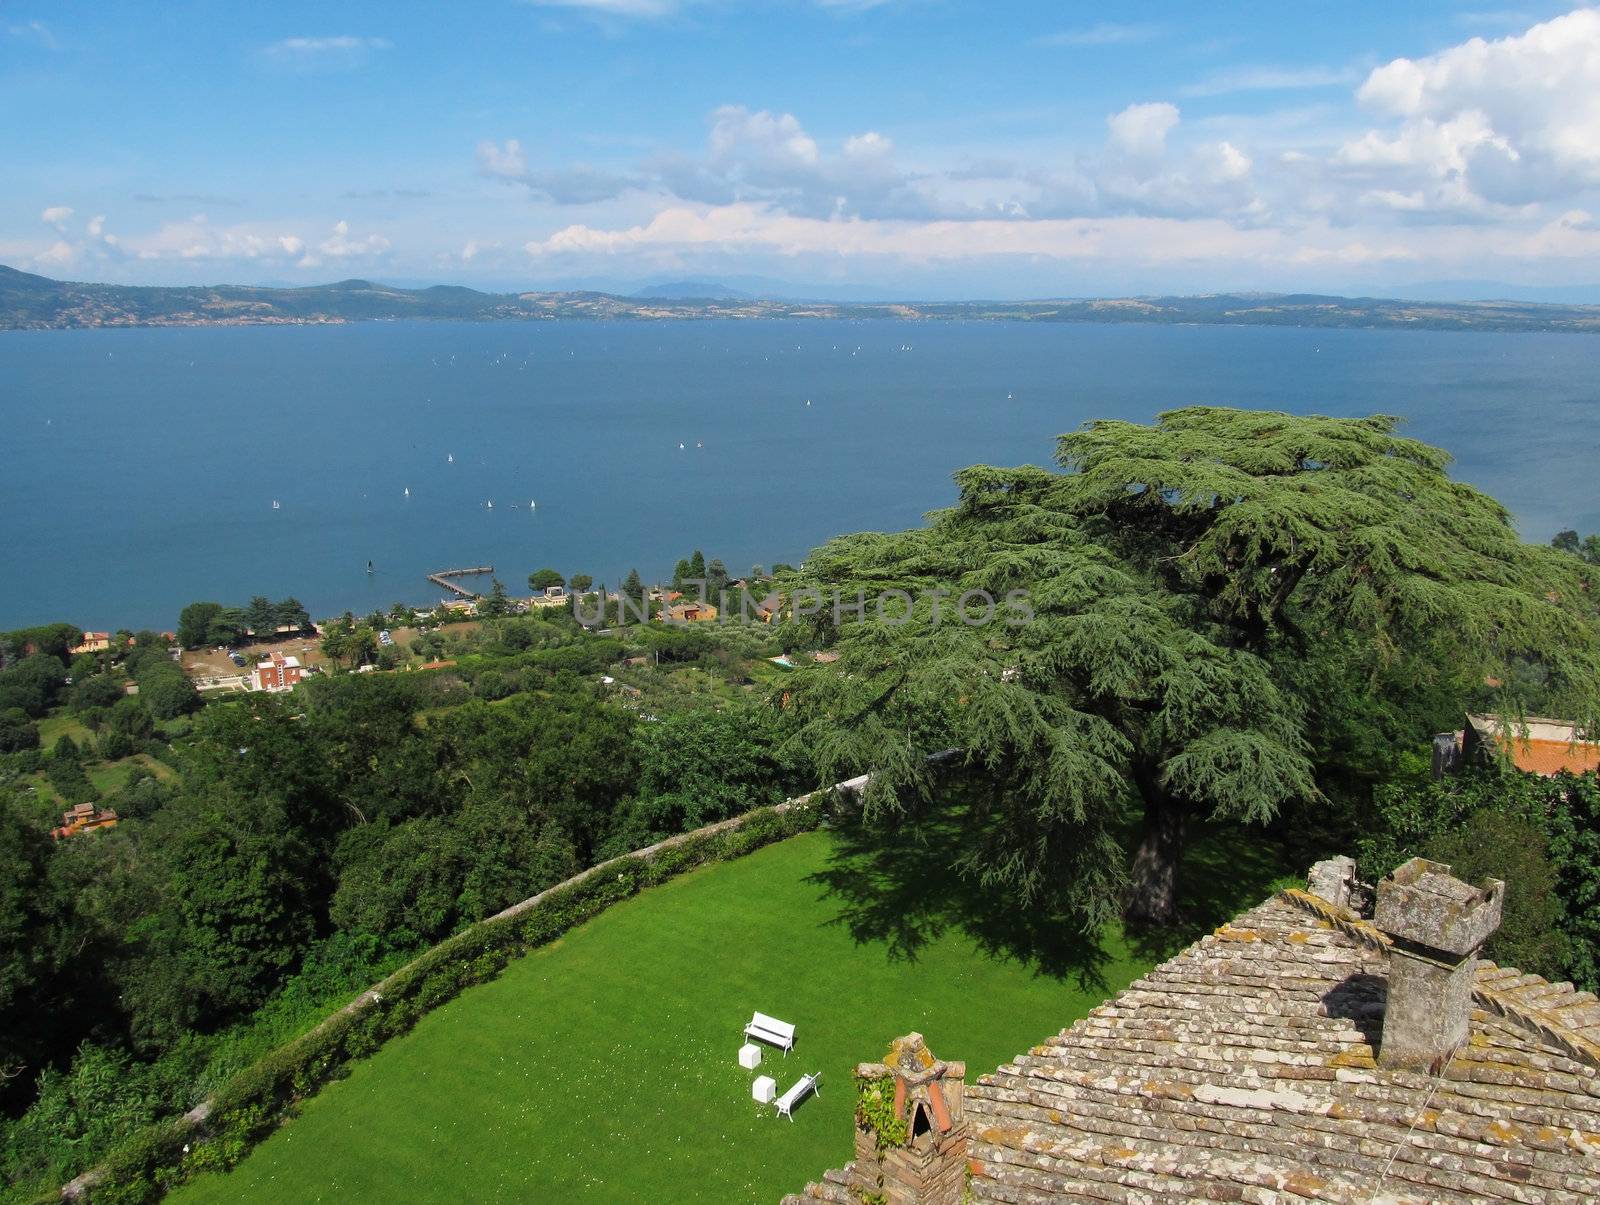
[[140, 467]]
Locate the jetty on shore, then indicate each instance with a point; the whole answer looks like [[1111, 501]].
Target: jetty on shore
[[443, 576]]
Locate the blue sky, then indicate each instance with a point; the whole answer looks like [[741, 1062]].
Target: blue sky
[[930, 148]]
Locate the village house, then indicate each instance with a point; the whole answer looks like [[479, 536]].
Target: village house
[[92, 642], [279, 672], [83, 818], [1534, 745], [689, 612], [1304, 1051]]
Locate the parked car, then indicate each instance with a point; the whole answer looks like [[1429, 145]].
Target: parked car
[[236, 659]]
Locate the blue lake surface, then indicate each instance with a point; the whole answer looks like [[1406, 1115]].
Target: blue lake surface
[[139, 467]]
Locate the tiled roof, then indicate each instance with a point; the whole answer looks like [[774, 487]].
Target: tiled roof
[[1552, 757], [1243, 1069], [1539, 746]]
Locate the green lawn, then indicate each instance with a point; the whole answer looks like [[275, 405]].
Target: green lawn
[[53, 727], [602, 1068], [111, 776]]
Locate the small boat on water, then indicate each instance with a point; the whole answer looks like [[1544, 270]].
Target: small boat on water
[[490, 504], [408, 491], [532, 504], [274, 504], [450, 458]]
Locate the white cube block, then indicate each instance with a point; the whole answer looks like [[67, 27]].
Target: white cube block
[[749, 1056], [764, 1089]]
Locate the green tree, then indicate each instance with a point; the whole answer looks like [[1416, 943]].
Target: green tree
[[1493, 844], [234, 916], [540, 579], [227, 627], [261, 616], [1513, 826], [680, 571], [1178, 580], [32, 684], [17, 731], [362, 646], [580, 583], [97, 690], [699, 766], [168, 695], [35, 947], [716, 578], [291, 613], [406, 887], [131, 717], [697, 566], [496, 604], [633, 586], [194, 623]]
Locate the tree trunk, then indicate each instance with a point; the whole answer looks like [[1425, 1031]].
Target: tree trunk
[[1154, 898]]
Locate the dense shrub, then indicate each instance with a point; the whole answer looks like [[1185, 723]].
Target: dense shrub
[[17, 731], [255, 1100], [1541, 835]]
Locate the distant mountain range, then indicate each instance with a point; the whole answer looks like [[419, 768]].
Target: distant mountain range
[[29, 302], [691, 290]]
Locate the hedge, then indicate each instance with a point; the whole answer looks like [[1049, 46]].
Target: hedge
[[218, 1133]]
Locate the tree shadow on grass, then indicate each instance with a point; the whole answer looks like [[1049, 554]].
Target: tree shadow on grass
[[902, 888]]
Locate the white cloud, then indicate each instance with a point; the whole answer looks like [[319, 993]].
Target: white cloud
[[1141, 130], [665, 8], [1105, 33], [96, 226], [745, 226], [325, 53], [1235, 164], [616, 8], [34, 31], [577, 184], [1515, 120], [291, 244], [56, 214], [507, 160], [1270, 79], [339, 245], [764, 137], [57, 254]]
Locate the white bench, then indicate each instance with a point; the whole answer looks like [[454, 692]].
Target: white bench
[[770, 1029], [785, 1104]]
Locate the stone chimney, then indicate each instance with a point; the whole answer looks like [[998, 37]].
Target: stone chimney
[[928, 1099], [1333, 880], [1438, 925]]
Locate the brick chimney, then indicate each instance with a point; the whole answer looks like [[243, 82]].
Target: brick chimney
[[1438, 925], [928, 1096]]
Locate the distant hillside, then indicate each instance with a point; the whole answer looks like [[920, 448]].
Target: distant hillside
[[29, 302], [692, 290]]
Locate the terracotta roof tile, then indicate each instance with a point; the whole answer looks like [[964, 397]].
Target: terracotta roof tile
[[1244, 1069]]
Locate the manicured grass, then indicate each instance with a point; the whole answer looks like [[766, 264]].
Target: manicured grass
[[603, 1068]]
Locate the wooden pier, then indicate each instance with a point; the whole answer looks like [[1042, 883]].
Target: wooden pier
[[442, 580]]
